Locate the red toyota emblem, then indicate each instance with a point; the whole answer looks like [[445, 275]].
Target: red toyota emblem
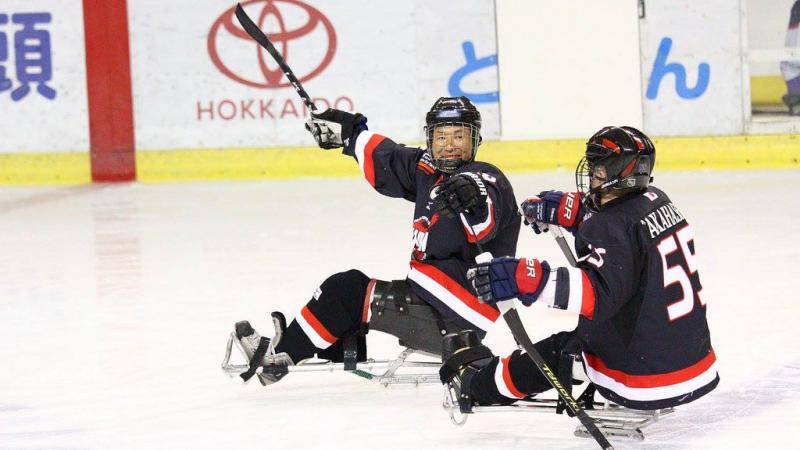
[[276, 14]]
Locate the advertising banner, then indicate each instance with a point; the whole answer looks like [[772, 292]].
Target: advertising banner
[[200, 82], [567, 68], [692, 68], [43, 105]]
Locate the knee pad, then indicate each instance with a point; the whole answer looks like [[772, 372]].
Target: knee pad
[[351, 283], [346, 289]]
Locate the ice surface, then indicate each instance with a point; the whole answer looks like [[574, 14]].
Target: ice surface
[[117, 301]]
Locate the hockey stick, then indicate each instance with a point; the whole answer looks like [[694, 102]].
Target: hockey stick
[[511, 316], [252, 29], [562, 243]]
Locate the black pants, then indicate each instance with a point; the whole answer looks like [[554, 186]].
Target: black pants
[[525, 377], [337, 311]]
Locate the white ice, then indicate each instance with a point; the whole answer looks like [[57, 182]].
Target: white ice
[[117, 301]]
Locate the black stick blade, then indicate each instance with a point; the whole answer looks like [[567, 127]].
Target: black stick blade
[[252, 29], [255, 32]]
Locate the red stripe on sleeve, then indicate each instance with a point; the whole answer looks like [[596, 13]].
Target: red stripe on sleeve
[[369, 165], [486, 231], [587, 300], [317, 326], [425, 168], [507, 379]]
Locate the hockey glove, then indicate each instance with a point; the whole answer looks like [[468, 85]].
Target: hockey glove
[[461, 193], [506, 278], [333, 128], [553, 207]]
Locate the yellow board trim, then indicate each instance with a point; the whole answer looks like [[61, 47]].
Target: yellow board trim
[[767, 90], [23, 169], [675, 153]]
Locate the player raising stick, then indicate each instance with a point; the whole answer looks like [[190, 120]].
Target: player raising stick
[[443, 181]]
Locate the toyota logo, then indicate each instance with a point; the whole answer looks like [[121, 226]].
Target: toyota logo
[[287, 23]]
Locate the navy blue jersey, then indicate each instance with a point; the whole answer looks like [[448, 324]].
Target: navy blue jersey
[[642, 320], [443, 248]]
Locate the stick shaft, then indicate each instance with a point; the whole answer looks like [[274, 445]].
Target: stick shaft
[[511, 316], [252, 29], [563, 244]]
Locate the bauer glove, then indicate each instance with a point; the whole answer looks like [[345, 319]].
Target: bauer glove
[[333, 128], [506, 278], [553, 207]]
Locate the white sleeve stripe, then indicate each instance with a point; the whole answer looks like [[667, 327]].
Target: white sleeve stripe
[[361, 143], [575, 290], [481, 227], [548, 295]]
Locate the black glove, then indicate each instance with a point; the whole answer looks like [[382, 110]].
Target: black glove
[[461, 193], [333, 128]]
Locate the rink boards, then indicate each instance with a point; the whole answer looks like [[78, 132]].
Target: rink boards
[[195, 99]]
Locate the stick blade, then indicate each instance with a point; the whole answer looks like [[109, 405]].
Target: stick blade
[[250, 27]]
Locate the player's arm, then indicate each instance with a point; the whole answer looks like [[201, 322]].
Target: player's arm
[[604, 281], [389, 167], [479, 199]]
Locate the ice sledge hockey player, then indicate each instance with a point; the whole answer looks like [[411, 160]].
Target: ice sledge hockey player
[[435, 298], [642, 330]]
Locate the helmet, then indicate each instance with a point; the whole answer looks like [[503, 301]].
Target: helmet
[[628, 157], [453, 111]]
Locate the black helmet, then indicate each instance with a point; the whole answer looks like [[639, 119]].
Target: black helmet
[[628, 157], [453, 111]]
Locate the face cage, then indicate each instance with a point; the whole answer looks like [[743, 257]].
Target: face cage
[[451, 165], [583, 182], [592, 196]]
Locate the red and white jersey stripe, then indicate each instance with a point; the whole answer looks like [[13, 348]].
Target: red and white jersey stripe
[[313, 328], [652, 387], [479, 231], [453, 295], [366, 142], [579, 298], [581, 294]]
